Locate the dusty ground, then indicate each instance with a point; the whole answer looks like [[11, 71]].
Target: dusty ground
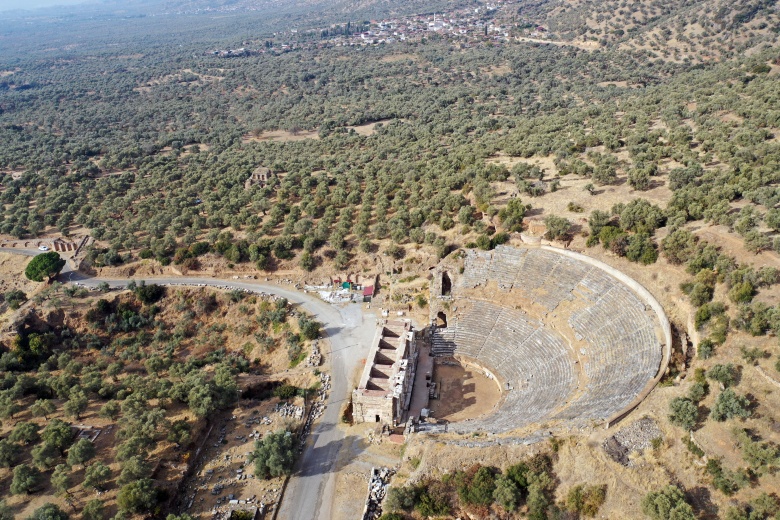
[[572, 190], [12, 278], [734, 245], [225, 460], [12, 274], [282, 136], [366, 448], [367, 129], [464, 393]]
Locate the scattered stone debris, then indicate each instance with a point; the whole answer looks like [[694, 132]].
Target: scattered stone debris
[[317, 406], [377, 490], [340, 296], [315, 358], [635, 437], [505, 441], [289, 410]]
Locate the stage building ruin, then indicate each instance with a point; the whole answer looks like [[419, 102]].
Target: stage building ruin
[[385, 388]]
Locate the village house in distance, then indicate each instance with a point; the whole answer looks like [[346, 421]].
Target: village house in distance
[[385, 388]]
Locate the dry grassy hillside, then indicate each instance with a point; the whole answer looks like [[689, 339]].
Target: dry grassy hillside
[[699, 30], [154, 387]]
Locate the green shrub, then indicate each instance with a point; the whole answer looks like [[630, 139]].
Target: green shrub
[[138, 497], [586, 500], [557, 227], [684, 413], [310, 329], [149, 294], [392, 516], [507, 494], [285, 391], [692, 447], [752, 355], [476, 486], [708, 311], [401, 498], [742, 292], [274, 454], [706, 348], [25, 479], [667, 504], [641, 248], [433, 499], [761, 456], [15, 299], [726, 481], [729, 405], [698, 391], [723, 374], [49, 512], [700, 294]]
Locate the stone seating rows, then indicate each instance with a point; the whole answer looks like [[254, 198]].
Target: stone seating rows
[[621, 354], [523, 353], [527, 270]]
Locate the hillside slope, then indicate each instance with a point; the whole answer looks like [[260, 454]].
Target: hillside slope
[[699, 30]]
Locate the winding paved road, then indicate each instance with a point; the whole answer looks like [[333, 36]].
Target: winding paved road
[[310, 492]]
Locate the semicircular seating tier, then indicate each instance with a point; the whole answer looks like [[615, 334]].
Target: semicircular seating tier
[[608, 353]]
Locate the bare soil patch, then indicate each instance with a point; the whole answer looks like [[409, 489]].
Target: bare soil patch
[[15, 174], [224, 467], [367, 129], [12, 274], [544, 163], [282, 136], [464, 393], [497, 70], [587, 46], [734, 245], [399, 57], [619, 84], [572, 190]]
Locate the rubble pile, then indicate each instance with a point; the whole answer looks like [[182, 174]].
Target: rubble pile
[[315, 358], [377, 490], [325, 385], [256, 419], [317, 406], [289, 410], [633, 438]]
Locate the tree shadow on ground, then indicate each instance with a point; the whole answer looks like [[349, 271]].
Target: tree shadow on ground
[[324, 459], [701, 499]]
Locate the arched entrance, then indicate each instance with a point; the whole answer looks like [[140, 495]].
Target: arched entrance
[[446, 284], [441, 320]]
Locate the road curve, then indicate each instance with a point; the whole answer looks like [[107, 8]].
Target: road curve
[[309, 494]]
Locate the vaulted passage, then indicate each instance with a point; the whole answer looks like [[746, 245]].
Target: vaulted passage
[[446, 285], [441, 319]]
